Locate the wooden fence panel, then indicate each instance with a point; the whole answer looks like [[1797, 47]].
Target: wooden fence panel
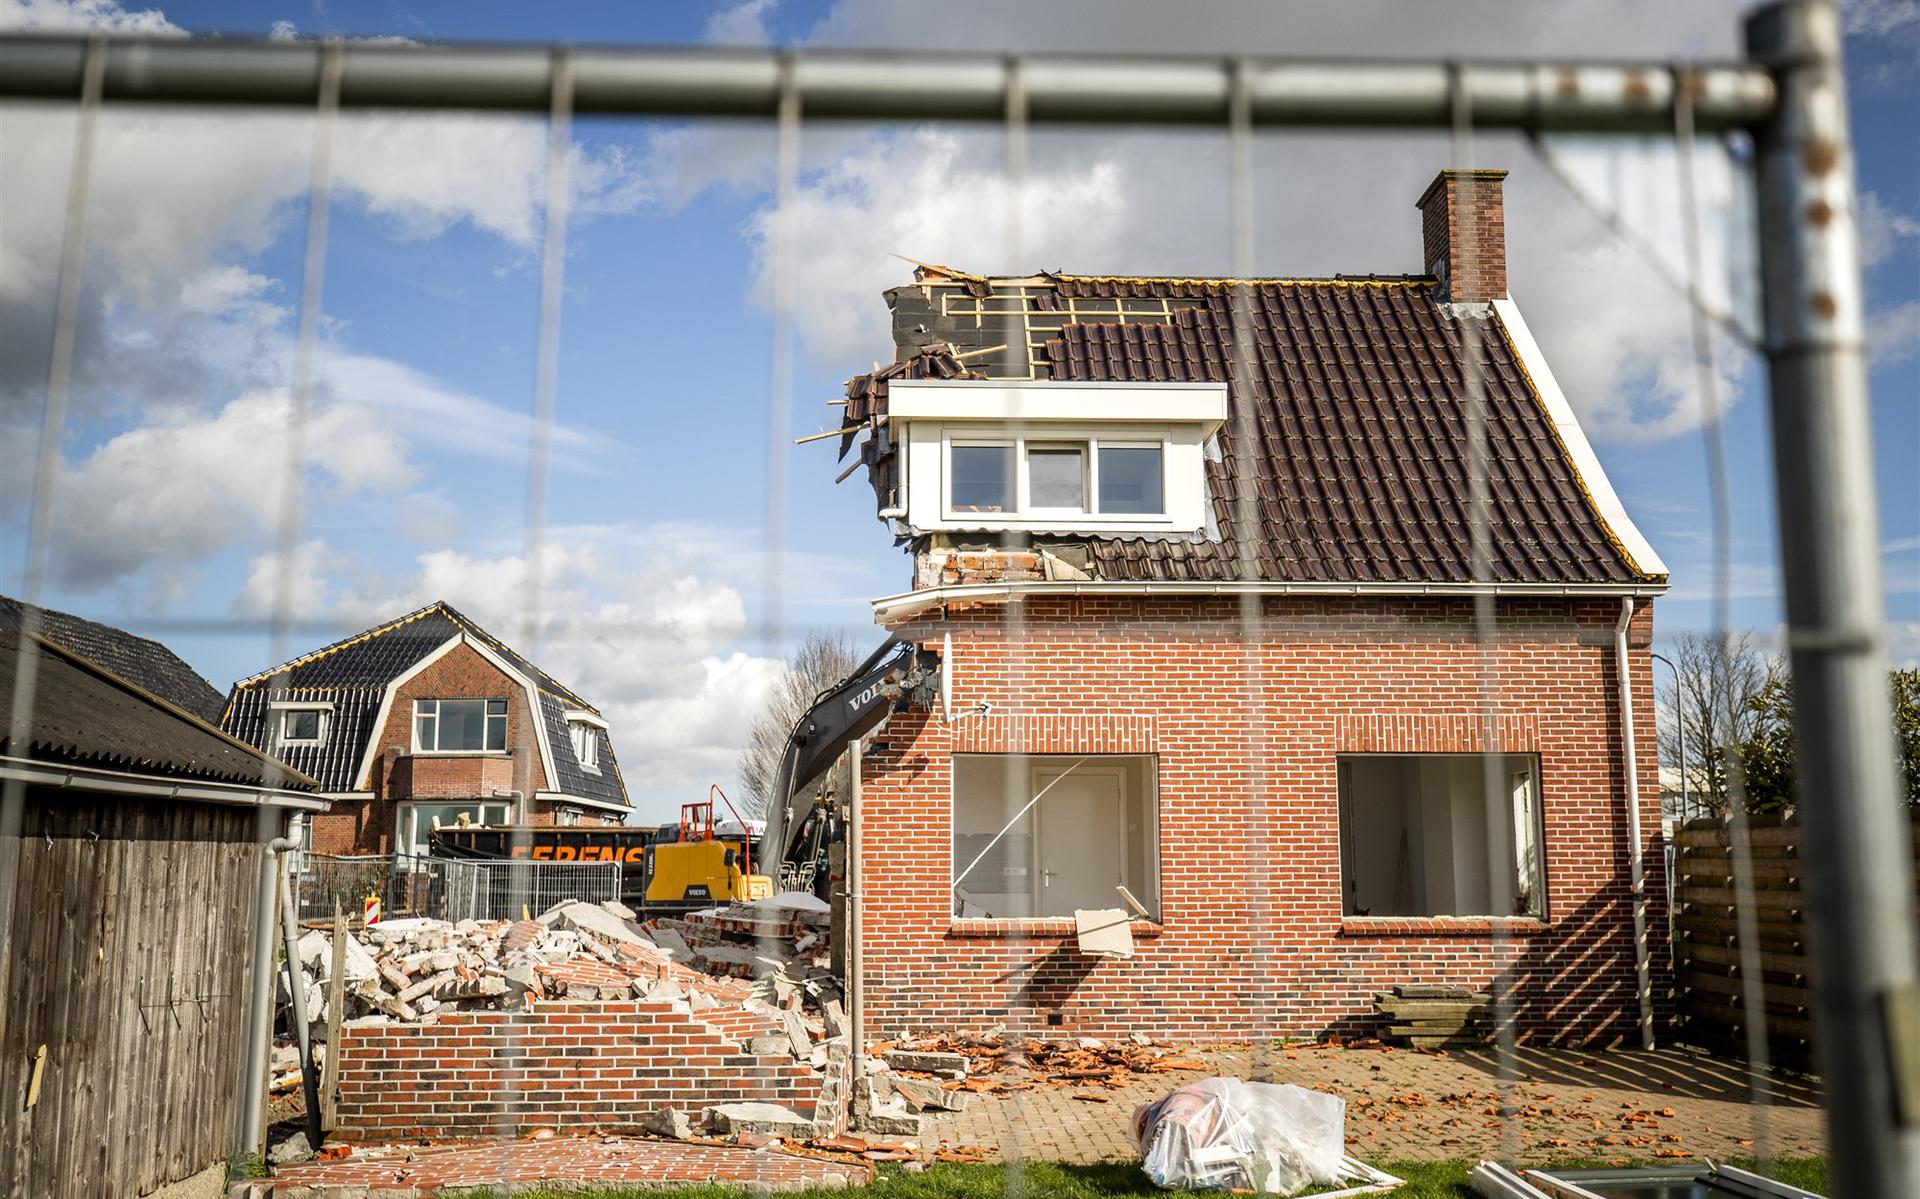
[[1710, 977]]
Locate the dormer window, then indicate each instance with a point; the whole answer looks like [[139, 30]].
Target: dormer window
[[584, 731], [1068, 457], [1045, 476], [296, 724]]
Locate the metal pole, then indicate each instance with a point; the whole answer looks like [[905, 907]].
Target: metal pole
[[269, 824], [686, 81], [297, 997], [1857, 849], [1680, 720]]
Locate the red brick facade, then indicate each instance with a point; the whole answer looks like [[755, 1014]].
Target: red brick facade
[[1244, 736], [367, 826], [586, 1066]]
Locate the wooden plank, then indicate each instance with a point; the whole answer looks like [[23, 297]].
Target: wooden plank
[[1724, 897], [336, 1006], [1729, 955]]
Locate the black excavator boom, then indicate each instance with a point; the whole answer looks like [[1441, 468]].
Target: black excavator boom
[[849, 709]]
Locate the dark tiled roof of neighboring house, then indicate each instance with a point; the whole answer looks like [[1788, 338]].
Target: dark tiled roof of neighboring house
[[87, 715], [1353, 447], [141, 661], [352, 674]]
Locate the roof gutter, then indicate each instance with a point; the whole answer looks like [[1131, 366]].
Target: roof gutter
[[889, 608], [87, 778], [582, 801]]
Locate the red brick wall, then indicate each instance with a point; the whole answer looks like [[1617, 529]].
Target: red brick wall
[[397, 773], [1254, 942], [571, 1066]]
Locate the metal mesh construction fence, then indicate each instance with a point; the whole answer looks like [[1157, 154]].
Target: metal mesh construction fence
[[444, 888]]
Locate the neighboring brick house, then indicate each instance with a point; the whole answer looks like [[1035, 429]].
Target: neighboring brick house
[[430, 718], [1237, 641]]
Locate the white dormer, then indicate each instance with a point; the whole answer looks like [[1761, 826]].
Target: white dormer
[[989, 454]]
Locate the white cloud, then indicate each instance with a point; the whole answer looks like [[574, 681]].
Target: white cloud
[[1885, 230], [162, 496], [636, 633], [71, 16], [1878, 18], [1327, 203], [1893, 333], [743, 23]]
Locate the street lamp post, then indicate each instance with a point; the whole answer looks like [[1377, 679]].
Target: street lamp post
[[1680, 720]]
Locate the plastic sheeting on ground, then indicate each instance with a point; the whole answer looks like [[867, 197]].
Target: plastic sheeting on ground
[[1229, 1134]]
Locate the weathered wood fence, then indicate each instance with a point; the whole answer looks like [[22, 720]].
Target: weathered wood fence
[[1711, 983]]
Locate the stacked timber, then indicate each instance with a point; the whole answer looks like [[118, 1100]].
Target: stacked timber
[[1435, 1017]]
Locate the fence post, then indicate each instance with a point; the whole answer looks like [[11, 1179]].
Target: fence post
[[1859, 869]]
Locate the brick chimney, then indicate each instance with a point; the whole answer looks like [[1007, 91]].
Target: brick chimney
[[1463, 231]]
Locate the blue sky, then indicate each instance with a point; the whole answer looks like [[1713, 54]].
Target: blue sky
[[657, 559]]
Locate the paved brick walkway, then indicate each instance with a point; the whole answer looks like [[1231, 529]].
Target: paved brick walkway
[[1403, 1105], [563, 1161]]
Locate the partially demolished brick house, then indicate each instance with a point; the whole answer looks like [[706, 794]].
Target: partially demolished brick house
[[429, 719], [1230, 640]]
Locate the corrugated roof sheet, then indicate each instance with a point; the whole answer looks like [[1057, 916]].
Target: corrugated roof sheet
[[141, 661], [86, 715]]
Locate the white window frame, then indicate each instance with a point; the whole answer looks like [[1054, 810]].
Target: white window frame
[[279, 710], [577, 720], [1023, 508], [403, 814], [506, 729]]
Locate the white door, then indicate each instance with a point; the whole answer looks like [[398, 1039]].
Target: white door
[[1080, 840]]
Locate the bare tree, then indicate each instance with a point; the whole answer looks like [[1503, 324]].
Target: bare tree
[[822, 660], [1714, 703]]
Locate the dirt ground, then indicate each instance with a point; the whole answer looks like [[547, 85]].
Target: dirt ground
[[1404, 1105]]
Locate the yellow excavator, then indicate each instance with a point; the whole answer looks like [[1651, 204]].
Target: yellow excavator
[[697, 862]]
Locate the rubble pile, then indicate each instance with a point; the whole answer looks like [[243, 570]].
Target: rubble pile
[[408, 969], [781, 942], [997, 1064], [766, 961]]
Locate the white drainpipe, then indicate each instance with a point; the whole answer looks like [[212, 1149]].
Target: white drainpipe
[[1636, 867]]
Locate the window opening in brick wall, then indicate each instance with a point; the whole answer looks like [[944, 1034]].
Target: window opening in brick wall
[[1426, 835], [459, 725], [416, 820], [1096, 828]]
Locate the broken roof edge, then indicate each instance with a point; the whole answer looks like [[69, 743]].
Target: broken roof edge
[[888, 608], [933, 274], [1628, 541]]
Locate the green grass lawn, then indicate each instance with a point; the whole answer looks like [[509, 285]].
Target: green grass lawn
[[1112, 1180]]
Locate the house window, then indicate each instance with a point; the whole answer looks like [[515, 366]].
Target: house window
[[982, 478], [416, 822], [296, 725], [586, 744], [1059, 478], [1131, 479], [459, 725], [1046, 835], [1441, 835]]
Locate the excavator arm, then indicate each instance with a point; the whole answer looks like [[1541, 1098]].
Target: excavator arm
[[849, 709]]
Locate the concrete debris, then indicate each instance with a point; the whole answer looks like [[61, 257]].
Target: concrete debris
[[771, 1119], [921, 1094], [949, 1065], [293, 1149], [670, 1122]]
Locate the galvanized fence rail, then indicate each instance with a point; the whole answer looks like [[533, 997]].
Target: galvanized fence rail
[[444, 888]]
